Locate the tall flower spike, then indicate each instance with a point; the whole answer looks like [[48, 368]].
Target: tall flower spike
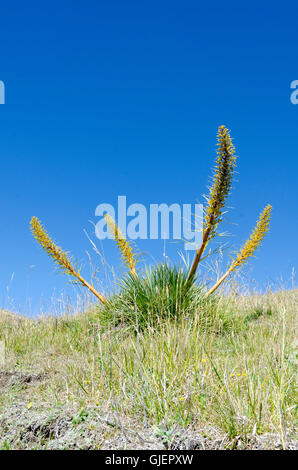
[[218, 193], [250, 246], [59, 256], [122, 243]]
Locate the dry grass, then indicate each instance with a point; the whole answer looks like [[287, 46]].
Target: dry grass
[[232, 388]]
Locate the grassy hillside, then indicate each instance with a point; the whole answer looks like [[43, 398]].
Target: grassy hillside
[[71, 382]]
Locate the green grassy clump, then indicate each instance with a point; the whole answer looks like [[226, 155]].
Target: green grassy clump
[[160, 295]]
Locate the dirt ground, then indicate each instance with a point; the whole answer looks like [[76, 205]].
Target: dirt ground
[[63, 427]]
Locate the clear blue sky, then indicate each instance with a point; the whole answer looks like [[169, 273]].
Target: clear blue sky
[[125, 98]]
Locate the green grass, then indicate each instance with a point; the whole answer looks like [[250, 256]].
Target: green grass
[[225, 367], [159, 295]]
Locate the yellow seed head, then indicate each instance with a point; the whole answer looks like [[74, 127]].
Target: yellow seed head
[[250, 246], [222, 179], [123, 244], [59, 256], [255, 239]]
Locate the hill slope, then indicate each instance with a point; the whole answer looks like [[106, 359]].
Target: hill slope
[[70, 383]]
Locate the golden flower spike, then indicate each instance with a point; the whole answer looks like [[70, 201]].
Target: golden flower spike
[[250, 246], [123, 244], [59, 256], [219, 191]]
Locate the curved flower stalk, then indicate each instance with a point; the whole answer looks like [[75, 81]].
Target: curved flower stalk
[[218, 193], [123, 244], [59, 256], [250, 246]]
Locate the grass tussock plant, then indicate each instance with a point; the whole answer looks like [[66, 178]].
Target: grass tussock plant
[[159, 295], [164, 291]]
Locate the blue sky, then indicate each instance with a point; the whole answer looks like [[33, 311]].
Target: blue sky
[[125, 98]]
